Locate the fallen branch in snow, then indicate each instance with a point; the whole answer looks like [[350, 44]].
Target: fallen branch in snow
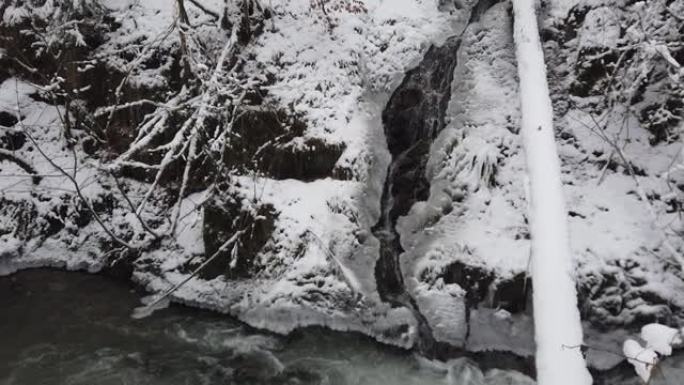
[[161, 301], [634, 353], [10, 156], [586, 347], [144, 224], [219, 90], [342, 270], [206, 10]]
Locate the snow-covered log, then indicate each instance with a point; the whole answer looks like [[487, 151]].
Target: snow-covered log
[[558, 331]]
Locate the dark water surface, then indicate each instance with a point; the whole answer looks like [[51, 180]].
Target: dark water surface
[[71, 328], [74, 328]]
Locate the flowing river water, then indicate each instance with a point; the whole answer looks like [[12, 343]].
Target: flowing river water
[[74, 328]]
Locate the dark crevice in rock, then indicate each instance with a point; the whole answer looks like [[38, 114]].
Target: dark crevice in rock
[[412, 119], [479, 9]]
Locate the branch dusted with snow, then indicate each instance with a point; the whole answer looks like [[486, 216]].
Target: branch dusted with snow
[[161, 300], [79, 192], [70, 177]]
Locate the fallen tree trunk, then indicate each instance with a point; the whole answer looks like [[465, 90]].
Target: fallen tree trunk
[[558, 330]]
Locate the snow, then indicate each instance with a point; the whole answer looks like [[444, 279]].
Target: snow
[[643, 359], [558, 331], [444, 308], [661, 338], [601, 28], [339, 79]]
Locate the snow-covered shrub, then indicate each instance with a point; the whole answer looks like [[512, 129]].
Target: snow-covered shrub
[[629, 53], [331, 9], [49, 36]]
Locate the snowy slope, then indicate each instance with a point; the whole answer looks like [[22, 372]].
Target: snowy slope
[[335, 73]]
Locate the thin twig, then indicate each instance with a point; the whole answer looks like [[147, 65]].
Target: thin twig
[[144, 311]]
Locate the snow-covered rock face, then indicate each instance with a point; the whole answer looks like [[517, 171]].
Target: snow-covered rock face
[[307, 163]]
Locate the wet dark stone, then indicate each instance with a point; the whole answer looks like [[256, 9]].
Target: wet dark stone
[[474, 280], [513, 294], [594, 65], [90, 146], [483, 288], [104, 203], [255, 97], [264, 143], [408, 179], [252, 21], [225, 215], [574, 21], [314, 159], [121, 264], [54, 223], [12, 140], [7, 119], [83, 217]]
